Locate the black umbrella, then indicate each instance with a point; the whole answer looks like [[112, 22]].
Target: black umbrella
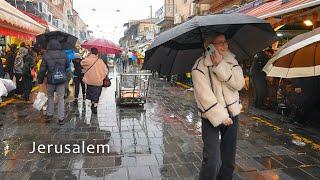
[[67, 41], [176, 50]]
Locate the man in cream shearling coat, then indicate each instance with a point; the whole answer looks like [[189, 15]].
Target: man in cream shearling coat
[[217, 78]]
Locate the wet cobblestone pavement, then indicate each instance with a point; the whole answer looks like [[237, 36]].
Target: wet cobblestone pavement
[[161, 140]]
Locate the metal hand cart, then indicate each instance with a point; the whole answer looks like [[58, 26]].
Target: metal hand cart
[[132, 88]]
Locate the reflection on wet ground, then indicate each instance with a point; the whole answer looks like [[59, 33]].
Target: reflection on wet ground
[[161, 140]]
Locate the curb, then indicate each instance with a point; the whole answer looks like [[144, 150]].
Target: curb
[[183, 85], [11, 100]]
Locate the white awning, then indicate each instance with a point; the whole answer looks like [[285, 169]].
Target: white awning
[[52, 28], [11, 16]]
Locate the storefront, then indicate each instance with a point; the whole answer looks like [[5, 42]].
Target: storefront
[[16, 26], [289, 19]]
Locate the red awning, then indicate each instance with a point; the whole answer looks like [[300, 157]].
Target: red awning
[[21, 35], [15, 20], [277, 7]]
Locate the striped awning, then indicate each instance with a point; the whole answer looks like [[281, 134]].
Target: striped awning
[[12, 18], [312, 14], [277, 7], [203, 1]]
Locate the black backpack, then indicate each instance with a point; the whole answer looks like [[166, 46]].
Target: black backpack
[[59, 75]]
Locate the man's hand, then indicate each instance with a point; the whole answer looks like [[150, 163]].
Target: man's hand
[[216, 58], [227, 122]]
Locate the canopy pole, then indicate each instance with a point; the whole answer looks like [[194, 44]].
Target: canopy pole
[[175, 56], [202, 40]]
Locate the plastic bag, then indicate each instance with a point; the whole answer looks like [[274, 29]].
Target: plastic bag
[[40, 101], [3, 89], [9, 84]]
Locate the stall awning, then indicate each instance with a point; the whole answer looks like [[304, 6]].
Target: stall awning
[[12, 17], [277, 8]]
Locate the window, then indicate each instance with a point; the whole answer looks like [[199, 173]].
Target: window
[[185, 1]]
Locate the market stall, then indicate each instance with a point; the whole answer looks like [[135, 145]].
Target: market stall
[[16, 27]]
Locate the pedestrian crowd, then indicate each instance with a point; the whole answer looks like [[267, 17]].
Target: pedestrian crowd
[[52, 70]]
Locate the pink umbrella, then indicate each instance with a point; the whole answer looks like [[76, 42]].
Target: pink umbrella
[[104, 46]]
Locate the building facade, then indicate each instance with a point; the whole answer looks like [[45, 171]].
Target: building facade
[[138, 32], [205, 7], [58, 15], [165, 15]]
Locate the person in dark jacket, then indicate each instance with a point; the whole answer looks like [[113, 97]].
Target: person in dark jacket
[[1, 69], [54, 58], [28, 64], [259, 77], [18, 65], [77, 79], [11, 56], [304, 100]]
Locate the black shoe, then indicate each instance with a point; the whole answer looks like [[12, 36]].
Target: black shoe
[[94, 110], [48, 119], [61, 122], [75, 101]]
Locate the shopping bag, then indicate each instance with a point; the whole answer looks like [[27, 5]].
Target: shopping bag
[[3, 89], [40, 101], [9, 84]]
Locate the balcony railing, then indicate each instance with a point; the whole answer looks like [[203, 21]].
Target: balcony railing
[[167, 10]]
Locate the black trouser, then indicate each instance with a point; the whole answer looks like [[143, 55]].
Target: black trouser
[[19, 89], [124, 66], [260, 88], [77, 82], [10, 72], [93, 93], [27, 86], [218, 156]]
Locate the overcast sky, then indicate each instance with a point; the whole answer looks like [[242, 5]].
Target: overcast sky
[[106, 22]]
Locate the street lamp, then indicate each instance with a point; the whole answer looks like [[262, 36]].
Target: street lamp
[[279, 34], [308, 22]]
